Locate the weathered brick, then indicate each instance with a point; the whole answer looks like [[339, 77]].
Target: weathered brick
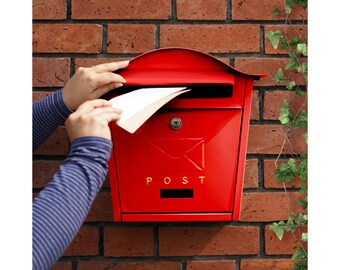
[[266, 264], [39, 95], [268, 66], [269, 176], [62, 266], [43, 172], [201, 10], [288, 31], [135, 38], [221, 240], [251, 174], [273, 101], [217, 38], [101, 209], [67, 38], [56, 144], [269, 206], [211, 265], [50, 72], [288, 244], [117, 9], [49, 9], [269, 139], [86, 243], [101, 265], [261, 10], [129, 241]]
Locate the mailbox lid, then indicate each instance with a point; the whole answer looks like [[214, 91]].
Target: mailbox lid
[[192, 169]]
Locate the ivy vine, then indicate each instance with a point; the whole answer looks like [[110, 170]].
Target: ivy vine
[[297, 166]]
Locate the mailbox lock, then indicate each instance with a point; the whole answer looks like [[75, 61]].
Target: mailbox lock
[[175, 123]]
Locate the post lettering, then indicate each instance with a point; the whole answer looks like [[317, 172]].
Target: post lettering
[[185, 180], [167, 180], [148, 180], [202, 179]]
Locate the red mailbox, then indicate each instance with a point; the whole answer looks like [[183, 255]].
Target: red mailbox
[[185, 163]]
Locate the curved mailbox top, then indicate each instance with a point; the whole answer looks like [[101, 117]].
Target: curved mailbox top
[[178, 66]]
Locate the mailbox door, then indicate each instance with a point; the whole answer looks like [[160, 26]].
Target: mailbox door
[[189, 169]]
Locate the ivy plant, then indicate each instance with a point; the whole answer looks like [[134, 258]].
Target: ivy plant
[[296, 167]]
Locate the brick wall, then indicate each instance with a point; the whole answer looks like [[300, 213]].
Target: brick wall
[[68, 34]]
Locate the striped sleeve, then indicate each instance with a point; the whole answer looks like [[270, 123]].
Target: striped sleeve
[[48, 113], [61, 207]]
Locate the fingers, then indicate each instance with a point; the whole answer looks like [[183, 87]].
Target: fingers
[[91, 105], [110, 67], [108, 77], [106, 88]]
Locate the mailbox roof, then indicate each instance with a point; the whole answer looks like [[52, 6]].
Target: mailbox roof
[[173, 66]]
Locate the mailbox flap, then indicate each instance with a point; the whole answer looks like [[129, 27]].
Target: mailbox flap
[[178, 66]]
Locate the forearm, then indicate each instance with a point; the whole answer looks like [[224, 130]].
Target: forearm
[[61, 208], [48, 114]]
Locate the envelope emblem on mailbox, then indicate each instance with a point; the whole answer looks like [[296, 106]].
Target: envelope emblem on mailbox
[[179, 154]]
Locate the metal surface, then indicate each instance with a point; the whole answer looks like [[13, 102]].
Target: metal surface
[[185, 163]]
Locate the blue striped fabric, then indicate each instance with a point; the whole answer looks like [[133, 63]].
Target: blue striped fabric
[[61, 207]]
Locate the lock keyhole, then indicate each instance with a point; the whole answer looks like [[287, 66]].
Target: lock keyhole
[[175, 123]]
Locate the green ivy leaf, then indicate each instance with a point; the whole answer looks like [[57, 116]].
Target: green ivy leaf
[[300, 93], [306, 137], [291, 85], [286, 171], [279, 77], [304, 236], [302, 47], [302, 265], [288, 9], [276, 11], [303, 203], [286, 117], [293, 63], [301, 120], [298, 254], [277, 229], [303, 189], [302, 3], [303, 172], [274, 38]]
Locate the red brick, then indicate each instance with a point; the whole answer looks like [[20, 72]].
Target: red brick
[[39, 95], [269, 206], [273, 101], [288, 244], [254, 114], [268, 139], [277, 264], [129, 265], [62, 266], [134, 38], [117, 9], [261, 10], [211, 265], [201, 10], [130, 241], [268, 66], [86, 243], [67, 38], [49, 72], [288, 32], [49, 9], [101, 209], [43, 172], [269, 176], [56, 144], [217, 38], [251, 174], [264, 206], [221, 240]]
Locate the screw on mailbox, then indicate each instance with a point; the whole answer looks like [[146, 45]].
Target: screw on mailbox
[[175, 123]]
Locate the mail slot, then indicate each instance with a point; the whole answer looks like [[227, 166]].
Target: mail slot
[[186, 162]]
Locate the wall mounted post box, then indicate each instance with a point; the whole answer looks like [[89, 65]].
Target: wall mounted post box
[[185, 163]]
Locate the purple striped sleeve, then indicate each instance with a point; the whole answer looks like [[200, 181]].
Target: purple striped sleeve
[[62, 206], [48, 113]]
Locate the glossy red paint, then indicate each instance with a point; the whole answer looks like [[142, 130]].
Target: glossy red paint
[[194, 173]]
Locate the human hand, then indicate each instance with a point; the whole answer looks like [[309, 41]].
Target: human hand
[[92, 119], [92, 83]]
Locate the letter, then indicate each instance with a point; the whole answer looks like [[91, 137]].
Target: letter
[[202, 179], [148, 180], [185, 180], [167, 180]]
